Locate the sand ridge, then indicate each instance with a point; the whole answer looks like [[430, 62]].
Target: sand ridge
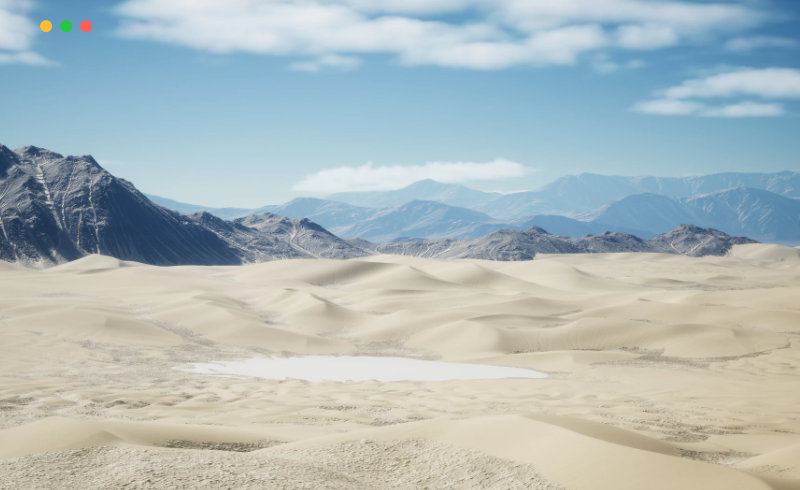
[[665, 372]]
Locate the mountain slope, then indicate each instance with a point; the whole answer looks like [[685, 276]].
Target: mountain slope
[[418, 219], [334, 216], [267, 237], [174, 205], [302, 235], [571, 195], [426, 219], [424, 190], [650, 212], [55, 209], [574, 194], [752, 212], [694, 241], [756, 213], [31, 230], [562, 225], [567, 195]]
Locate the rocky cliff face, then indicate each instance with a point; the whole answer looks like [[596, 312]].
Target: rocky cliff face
[[30, 229], [54, 209]]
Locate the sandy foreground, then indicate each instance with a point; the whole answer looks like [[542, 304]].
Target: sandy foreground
[[664, 372]]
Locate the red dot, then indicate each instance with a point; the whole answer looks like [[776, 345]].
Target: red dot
[[86, 26]]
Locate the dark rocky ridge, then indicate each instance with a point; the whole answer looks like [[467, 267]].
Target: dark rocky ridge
[[270, 237], [525, 245]]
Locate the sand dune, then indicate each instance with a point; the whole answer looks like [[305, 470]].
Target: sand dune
[[664, 372], [58, 433], [783, 462], [766, 253]]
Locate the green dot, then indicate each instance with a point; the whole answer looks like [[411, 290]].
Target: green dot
[[66, 25]]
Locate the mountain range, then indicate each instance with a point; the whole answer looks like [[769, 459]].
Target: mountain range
[[755, 213], [575, 194], [765, 207], [525, 245], [414, 220], [54, 209], [423, 190]]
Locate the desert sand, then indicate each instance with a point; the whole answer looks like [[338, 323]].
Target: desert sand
[[663, 372]]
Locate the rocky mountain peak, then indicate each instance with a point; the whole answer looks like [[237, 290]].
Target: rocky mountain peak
[[35, 153], [689, 229], [7, 159], [535, 230]]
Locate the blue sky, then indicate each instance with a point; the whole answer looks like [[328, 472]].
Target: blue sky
[[254, 102]]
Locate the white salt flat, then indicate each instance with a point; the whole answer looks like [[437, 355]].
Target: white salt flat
[[344, 368]]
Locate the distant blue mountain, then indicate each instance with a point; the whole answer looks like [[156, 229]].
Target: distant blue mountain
[[575, 194], [575, 205], [180, 207], [424, 190], [755, 213]]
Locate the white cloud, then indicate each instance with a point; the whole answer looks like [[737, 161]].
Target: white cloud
[[329, 61], [554, 47], [480, 34], [767, 83], [647, 36], [17, 32], [668, 107], [748, 44], [682, 16], [745, 109], [676, 107], [24, 58], [414, 7], [603, 64], [371, 178]]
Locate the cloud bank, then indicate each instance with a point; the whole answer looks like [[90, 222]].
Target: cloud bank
[[369, 177], [748, 44], [16, 35], [327, 62], [472, 34], [766, 83]]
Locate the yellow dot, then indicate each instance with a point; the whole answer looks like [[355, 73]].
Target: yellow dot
[[46, 25]]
